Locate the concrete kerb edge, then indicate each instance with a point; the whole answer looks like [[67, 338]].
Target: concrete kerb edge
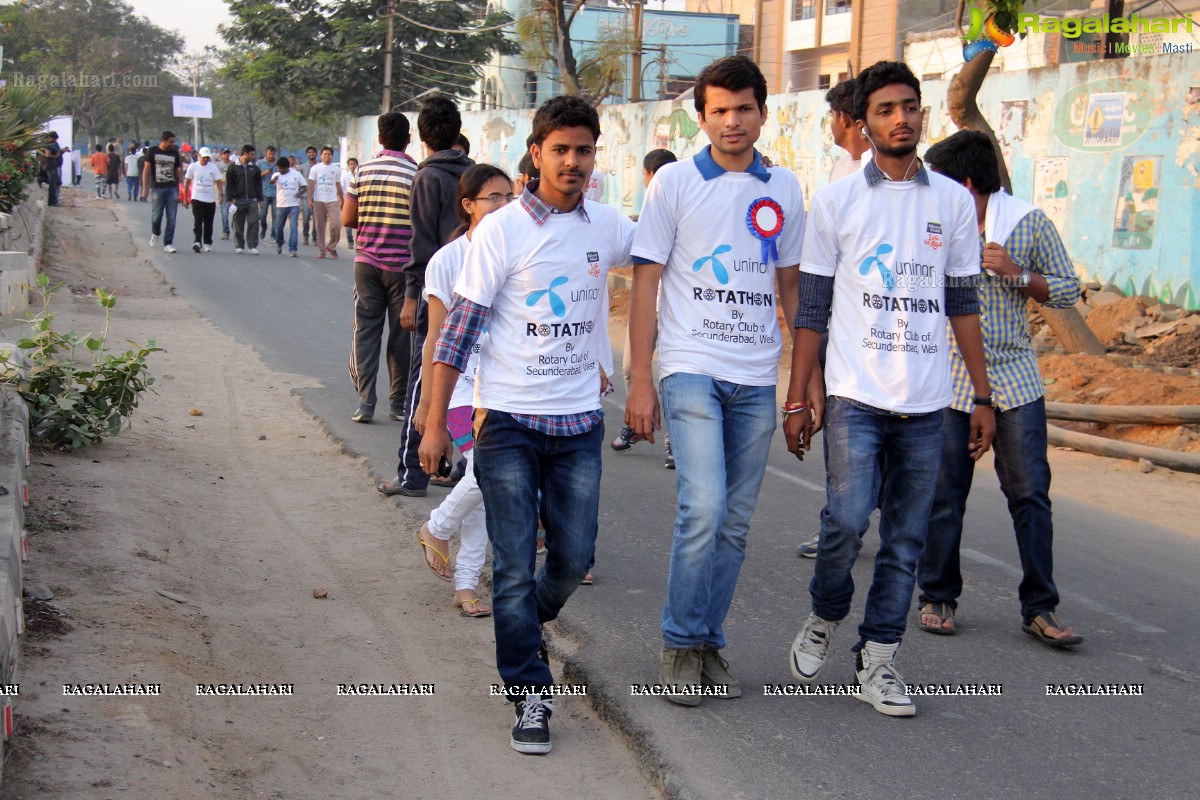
[[606, 701]]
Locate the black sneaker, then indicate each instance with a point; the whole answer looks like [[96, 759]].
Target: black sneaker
[[396, 412], [531, 734], [625, 439], [365, 413], [196, 247]]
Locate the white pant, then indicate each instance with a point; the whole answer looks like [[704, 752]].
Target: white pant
[[462, 512]]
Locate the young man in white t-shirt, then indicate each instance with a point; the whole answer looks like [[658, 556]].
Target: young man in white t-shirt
[[535, 274], [290, 189], [890, 253], [718, 230], [203, 188], [325, 201]]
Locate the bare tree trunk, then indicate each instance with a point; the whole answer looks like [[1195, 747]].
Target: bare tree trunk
[[564, 54], [962, 102]]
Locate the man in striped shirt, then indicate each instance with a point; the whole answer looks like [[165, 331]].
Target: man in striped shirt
[[1031, 263], [377, 206]]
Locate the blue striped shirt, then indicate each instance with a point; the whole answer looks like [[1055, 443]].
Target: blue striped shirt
[[1012, 364]]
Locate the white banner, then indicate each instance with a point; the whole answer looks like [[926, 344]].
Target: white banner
[[200, 107]]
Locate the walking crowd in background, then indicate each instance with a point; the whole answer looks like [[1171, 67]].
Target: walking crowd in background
[[904, 283]]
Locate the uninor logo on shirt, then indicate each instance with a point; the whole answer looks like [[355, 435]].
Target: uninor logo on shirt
[[718, 268], [557, 306], [889, 280]]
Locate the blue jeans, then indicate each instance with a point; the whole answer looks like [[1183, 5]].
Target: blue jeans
[[223, 204], [512, 462], [874, 459], [164, 200], [282, 215], [132, 189], [721, 435], [1024, 472], [267, 209]]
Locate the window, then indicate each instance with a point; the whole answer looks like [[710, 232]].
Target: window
[[531, 89], [824, 82], [837, 6], [804, 9]]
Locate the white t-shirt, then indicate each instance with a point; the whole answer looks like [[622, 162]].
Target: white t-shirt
[[325, 178], [887, 344], [547, 289], [845, 166], [288, 188], [204, 181], [131, 162], [440, 276], [716, 303]]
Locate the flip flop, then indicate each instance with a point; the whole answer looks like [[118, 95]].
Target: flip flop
[[426, 548], [588, 580], [475, 610], [943, 611], [1036, 628]]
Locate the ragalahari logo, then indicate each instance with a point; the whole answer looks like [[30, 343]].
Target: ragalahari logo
[[556, 303], [984, 37]]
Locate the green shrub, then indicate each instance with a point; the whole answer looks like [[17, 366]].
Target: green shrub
[[73, 403]]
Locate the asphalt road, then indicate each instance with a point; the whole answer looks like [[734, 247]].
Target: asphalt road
[[1129, 587]]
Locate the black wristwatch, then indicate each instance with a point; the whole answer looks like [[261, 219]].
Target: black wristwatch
[[984, 400]]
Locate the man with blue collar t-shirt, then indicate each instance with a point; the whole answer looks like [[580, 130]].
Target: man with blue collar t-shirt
[[718, 230], [536, 274]]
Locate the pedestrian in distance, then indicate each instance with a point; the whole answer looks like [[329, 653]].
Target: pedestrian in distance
[[304, 167], [347, 177], [203, 189], [161, 174], [1023, 258], [99, 161], [722, 206], [267, 167], [244, 193], [889, 256], [378, 207], [113, 172], [535, 275], [325, 200], [51, 161], [130, 170], [223, 164], [290, 191]]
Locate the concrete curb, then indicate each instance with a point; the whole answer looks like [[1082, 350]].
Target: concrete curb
[[14, 496]]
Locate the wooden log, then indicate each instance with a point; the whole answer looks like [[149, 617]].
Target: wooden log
[[1071, 330], [1098, 445], [1125, 415]]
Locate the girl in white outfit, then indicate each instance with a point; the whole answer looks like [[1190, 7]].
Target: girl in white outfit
[[481, 190]]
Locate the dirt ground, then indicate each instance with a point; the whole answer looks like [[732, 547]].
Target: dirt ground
[[244, 511]]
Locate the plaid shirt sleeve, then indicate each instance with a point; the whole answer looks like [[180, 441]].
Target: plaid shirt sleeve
[[1048, 257], [461, 330]]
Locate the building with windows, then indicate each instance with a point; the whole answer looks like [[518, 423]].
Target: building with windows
[[676, 45]]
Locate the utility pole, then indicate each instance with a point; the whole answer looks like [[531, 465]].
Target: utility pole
[[635, 81], [386, 105], [662, 71], [196, 93]]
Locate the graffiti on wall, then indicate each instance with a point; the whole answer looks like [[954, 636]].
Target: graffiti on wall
[[1137, 202], [1051, 190]]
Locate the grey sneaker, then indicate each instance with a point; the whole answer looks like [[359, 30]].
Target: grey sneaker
[[811, 647], [364, 414], [531, 734], [669, 454], [396, 413], [714, 671], [681, 667], [881, 684], [808, 548], [153, 239]]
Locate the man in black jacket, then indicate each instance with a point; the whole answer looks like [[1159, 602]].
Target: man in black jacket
[[434, 218], [243, 188]]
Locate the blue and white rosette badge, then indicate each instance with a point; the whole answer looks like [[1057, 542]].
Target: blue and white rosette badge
[[764, 218]]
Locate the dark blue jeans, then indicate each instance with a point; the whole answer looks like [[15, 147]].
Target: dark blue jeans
[[512, 463], [1024, 472], [873, 458]]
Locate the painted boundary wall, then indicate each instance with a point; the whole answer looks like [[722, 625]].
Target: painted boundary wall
[[1109, 149]]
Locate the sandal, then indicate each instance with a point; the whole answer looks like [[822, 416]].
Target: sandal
[[1037, 626], [426, 549], [943, 612], [475, 610]]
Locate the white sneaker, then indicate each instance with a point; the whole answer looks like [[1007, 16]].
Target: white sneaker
[[881, 684], [811, 647], [237, 250], [207, 248], [168, 248], [253, 251], [153, 239], [195, 247]]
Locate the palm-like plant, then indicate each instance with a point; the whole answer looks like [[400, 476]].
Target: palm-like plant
[[23, 112]]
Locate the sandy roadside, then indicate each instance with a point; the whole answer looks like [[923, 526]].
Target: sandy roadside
[[244, 511]]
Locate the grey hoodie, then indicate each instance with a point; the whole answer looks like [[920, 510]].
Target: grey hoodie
[[432, 211]]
